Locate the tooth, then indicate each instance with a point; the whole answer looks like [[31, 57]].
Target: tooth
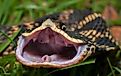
[[66, 44], [79, 50], [34, 39], [76, 47]]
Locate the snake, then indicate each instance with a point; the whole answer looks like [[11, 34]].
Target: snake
[[62, 39]]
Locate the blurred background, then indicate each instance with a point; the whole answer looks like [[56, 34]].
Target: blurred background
[[14, 12]]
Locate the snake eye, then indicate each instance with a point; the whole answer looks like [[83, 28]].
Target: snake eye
[[63, 27]]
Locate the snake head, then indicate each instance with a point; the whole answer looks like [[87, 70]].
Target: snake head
[[49, 46], [65, 39]]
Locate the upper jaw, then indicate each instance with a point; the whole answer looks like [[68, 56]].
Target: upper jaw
[[52, 26]]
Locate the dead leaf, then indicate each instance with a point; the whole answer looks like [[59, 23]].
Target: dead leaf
[[116, 32], [110, 13]]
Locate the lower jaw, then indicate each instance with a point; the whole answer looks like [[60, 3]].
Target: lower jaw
[[55, 64]]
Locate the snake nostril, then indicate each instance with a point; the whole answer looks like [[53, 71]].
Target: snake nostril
[[88, 48], [92, 48]]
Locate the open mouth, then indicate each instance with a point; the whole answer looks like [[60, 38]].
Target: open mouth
[[47, 48]]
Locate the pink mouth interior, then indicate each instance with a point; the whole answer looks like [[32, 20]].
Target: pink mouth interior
[[48, 46]]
